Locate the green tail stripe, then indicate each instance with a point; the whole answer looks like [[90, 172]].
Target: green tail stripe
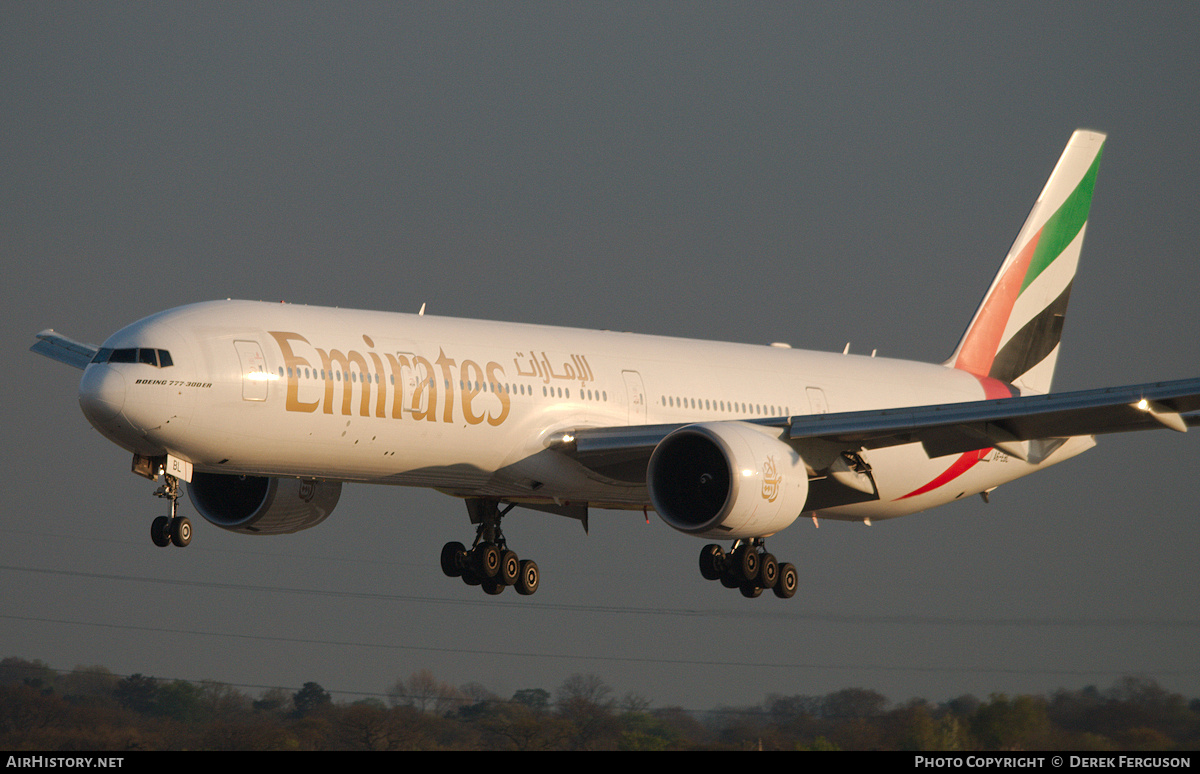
[[1064, 225]]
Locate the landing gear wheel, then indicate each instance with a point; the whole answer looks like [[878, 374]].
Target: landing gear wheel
[[788, 581], [730, 578], [493, 586], [181, 531], [510, 568], [751, 590], [487, 560], [527, 581], [768, 571], [453, 559], [712, 560], [745, 560], [160, 531]]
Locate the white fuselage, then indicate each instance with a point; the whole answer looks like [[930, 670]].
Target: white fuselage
[[467, 406]]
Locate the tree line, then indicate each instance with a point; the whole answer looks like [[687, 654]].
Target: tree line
[[89, 708]]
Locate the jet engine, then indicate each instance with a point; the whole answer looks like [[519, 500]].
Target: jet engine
[[726, 479], [255, 505]]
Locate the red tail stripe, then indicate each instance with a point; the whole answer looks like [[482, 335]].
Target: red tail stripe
[[983, 340]]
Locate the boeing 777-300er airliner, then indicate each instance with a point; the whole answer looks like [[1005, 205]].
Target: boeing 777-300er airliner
[[266, 409]]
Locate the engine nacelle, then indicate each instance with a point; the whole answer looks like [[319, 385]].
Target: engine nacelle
[[255, 505], [726, 479]]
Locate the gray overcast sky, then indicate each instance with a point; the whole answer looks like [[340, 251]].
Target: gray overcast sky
[[771, 172]]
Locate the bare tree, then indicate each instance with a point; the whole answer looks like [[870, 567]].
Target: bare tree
[[583, 701], [425, 693]]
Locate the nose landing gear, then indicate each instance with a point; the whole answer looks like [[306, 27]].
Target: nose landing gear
[[173, 528]]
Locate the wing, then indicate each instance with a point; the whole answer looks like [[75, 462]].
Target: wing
[[58, 347], [953, 428], [621, 453]]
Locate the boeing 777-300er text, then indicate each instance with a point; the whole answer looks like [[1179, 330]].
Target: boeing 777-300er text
[[266, 409]]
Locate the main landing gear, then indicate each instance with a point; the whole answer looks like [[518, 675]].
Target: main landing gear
[[173, 528], [749, 568], [488, 562]]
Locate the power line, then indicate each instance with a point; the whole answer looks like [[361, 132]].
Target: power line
[[775, 613], [661, 661]]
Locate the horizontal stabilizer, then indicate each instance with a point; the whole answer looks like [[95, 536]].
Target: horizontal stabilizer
[[58, 347]]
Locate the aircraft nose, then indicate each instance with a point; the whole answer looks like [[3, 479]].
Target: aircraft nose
[[101, 393]]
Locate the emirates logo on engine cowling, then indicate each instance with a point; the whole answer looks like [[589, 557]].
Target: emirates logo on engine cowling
[[308, 490], [771, 479]]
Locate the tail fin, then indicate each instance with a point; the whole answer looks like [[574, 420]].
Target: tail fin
[[1015, 333]]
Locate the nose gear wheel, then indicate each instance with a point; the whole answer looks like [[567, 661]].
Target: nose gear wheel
[[172, 529]]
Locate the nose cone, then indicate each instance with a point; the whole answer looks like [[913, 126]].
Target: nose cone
[[101, 394]]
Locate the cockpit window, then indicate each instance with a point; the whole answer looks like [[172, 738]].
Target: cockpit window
[[123, 356], [159, 358]]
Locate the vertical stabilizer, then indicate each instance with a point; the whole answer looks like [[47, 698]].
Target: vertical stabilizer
[[1015, 333]]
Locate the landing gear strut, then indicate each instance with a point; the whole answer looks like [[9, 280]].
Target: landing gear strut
[[749, 568], [489, 563], [172, 528]]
